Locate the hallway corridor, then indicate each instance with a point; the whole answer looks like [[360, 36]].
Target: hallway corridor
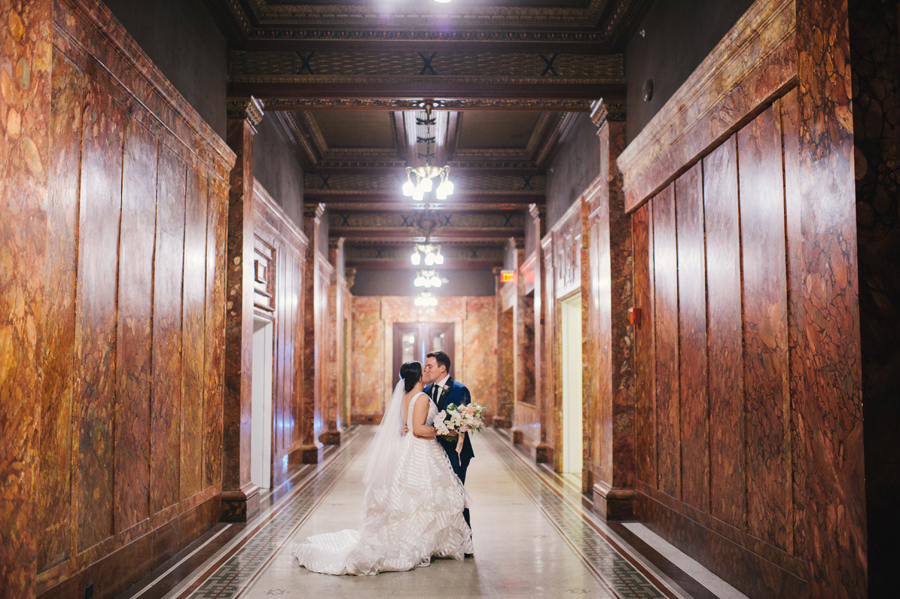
[[534, 537]]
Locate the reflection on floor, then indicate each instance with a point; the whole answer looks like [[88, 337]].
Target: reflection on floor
[[534, 533]]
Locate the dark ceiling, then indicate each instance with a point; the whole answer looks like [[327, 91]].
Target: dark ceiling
[[347, 80]]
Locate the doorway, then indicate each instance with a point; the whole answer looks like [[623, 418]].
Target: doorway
[[414, 340], [261, 404], [572, 400]]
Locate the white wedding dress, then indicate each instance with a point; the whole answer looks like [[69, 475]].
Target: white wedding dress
[[414, 515]]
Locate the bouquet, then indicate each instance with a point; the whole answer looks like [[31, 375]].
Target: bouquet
[[461, 419]]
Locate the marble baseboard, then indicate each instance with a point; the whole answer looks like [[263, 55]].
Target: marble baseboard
[[116, 572], [745, 570], [240, 506], [543, 454], [366, 417], [612, 508], [332, 437], [311, 454]]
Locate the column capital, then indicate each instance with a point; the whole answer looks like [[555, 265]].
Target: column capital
[[605, 109], [248, 108]]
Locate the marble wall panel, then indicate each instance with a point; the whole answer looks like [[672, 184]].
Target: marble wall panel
[[724, 336], [54, 482], [96, 503], [373, 318], [216, 232], [95, 315], [665, 303], [479, 353], [134, 356], [692, 338], [25, 152], [506, 362], [526, 351], [600, 339], [835, 500], [785, 383], [798, 387], [193, 331], [165, 406], [273, 229], [644, 351], [368, 357], [766, 373]]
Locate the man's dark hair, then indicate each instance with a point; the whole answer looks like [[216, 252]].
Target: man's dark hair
[[441, 358]]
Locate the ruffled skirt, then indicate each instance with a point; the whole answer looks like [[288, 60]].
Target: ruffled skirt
[[408, 519]]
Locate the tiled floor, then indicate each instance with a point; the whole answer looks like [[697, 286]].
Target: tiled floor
[[534, 534]]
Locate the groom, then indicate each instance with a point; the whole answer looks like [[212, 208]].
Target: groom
[[443, 390]]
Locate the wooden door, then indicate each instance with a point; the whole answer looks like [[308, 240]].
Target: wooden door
[[414, 340]]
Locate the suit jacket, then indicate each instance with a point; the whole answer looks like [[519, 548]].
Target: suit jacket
[[458, 394]]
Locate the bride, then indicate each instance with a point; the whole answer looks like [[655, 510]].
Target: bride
[[413, 503]]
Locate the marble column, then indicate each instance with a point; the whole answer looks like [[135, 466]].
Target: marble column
[[611, 337], [311, 413], [240, 497], [332, 362]]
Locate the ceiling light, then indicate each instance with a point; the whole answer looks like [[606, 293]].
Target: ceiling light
[[428, 253], [427, 278], [426, 299], [423, 183]]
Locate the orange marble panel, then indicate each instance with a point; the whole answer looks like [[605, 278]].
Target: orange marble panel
[[479, 350], [600, 336], [665, 262], [134, 356], [368, 356], [644, 354], [766, 371], [25, 159], [796, 344], [831, 406], [725, 338], [95, 316], [749, 67], [217, 215], [692, 338], [193, 331], [165, 406], [54, 490]]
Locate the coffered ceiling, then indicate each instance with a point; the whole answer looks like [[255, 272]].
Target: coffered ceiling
[[348, 81]]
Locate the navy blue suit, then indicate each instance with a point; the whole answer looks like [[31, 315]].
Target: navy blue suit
[[457, 394]]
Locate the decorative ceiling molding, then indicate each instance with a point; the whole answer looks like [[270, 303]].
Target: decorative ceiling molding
[[393, 205], [595, 24], [527, 104], [491, 68], [354, 183]]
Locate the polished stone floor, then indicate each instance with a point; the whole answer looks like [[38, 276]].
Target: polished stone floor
[[534, 535]]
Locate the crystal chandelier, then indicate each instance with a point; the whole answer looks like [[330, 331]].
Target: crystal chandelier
[[428, 253], [425, 299], [427, 278]]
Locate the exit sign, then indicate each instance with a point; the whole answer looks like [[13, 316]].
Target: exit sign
[[507, 275]]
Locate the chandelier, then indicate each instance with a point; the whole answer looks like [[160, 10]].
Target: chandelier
[[428, 278], [424, 183], [425, 299], [432, 255], [420, 179]]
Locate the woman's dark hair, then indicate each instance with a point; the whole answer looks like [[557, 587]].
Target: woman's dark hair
[[410, 372]]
